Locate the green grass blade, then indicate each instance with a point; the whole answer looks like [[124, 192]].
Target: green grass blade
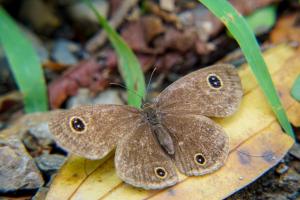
[[24, 64], [296, 89], [243, 34], [262, 19], [129, 65]]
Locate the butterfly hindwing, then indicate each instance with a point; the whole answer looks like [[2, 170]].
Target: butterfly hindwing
[[141, 162], [201, 146]]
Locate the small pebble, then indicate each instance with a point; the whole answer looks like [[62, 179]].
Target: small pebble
[[295, 151], [64, 52], [84, 97], [50, 163], [282, 168]]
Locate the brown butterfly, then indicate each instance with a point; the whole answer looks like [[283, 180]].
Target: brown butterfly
[[172, 131]]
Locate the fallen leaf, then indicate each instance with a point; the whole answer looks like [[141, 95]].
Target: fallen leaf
[[138, 34], [89, 73], [168, 60], [134, 36], [181, 41], [153, 26], [257, 143], [287, 29]]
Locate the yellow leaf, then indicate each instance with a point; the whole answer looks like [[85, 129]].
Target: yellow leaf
[[256, 144]]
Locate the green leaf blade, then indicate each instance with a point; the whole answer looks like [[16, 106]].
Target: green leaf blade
[[243, 34], [296, 89], [129, 65], [24, 64], [262, 19]]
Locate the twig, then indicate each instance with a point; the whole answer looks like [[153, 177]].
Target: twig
[[100, 37]]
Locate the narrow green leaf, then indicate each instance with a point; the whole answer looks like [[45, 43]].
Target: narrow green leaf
[[263, 19], [296, 89], [243, 34], [129, 65], [24, 64]]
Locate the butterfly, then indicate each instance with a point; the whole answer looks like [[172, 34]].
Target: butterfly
[[171, 132]]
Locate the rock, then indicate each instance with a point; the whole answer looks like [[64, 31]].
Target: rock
[[291, 176], [295, 151], [168, 5], [84, 97], [17, 169], [282, 168], [42, 133], [81, 12], [41, 194], [290, 181], [38, 139], [108, 97], [50, 163], [64, 52]]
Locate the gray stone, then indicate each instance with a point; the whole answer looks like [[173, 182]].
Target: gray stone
[[282, 168], [63, 52], [41, 194], [50, 163], [42, 133], [84, 97], [38, 138], [17, 169], [81, 12], [108, 97], [295, 151]]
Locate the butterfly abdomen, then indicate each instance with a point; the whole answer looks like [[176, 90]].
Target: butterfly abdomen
[[161, 134]]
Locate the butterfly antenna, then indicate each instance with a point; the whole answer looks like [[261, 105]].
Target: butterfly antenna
[[148, 86], [122, 86]]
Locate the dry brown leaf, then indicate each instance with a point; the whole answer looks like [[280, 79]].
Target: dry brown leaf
[[287, 29], [90, 73], [257, 143]]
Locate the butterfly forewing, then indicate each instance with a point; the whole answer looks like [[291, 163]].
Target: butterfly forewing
[[214, 91], [93, 131], [141, 162]]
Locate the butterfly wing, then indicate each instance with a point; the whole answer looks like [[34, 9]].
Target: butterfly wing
[[141, 162], [93, 131], [201, 146], [214, 91]]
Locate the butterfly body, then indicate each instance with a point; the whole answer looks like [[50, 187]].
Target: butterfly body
[[162, 135], [174, 131]]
